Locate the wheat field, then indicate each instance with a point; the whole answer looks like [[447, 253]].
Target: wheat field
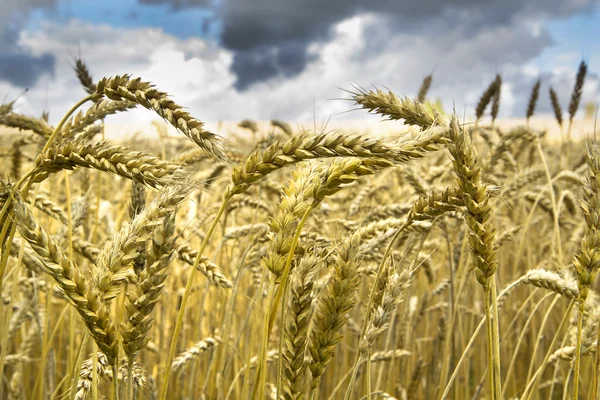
[[455, 259]]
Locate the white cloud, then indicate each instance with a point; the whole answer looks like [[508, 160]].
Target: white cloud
[[197, 73]]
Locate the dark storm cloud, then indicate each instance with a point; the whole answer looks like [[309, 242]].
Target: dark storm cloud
[[24, 70], [260, 63], [271, 37], [16, 66]]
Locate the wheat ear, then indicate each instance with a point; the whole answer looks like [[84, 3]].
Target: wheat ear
[[533, 98], [145, 94], [587, 262], [481, 238], [83, 296]]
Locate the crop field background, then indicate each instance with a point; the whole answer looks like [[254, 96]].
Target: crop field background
[[442, 260]]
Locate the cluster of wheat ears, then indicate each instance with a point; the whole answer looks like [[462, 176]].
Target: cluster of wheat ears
[[205, 268]]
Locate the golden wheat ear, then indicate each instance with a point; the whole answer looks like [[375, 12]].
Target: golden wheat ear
[[123, 87]]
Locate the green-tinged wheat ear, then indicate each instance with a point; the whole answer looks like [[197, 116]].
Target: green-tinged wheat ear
[[476, 198], [81, 294], [23, 122], [533, 98], [123, 248], [144, 93], [85, 248], [343, 172], [136, 206], [284, 126], [194, 352], [296, 327], [16, 160], [496, 98], [84, 76], [43, 203], [556, 106], [118, 160], [384, 306], [587, 262], [434, 204], [6, 108], [552, 281], [415, 380], [85, 382], [141, 303], [487, 96], [152, 281], [244, 201], [413, 112], [295, 201], [333, 307], [249, 124], [307, 146], [424, 89], [307, 189], [209, 269], [240, 232], [577, 90], [97, 112]]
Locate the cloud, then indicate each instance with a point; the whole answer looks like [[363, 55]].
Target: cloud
[[191, 70], [198, 73], [271, 38], [23, 70], [16, 65]]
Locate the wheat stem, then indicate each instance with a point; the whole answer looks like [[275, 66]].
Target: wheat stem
[[578, 349], [271, 307], [595, 393], [185, 297], [130, 360], [526, 393]]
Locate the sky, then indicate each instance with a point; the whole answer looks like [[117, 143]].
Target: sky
[[293, 59]]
